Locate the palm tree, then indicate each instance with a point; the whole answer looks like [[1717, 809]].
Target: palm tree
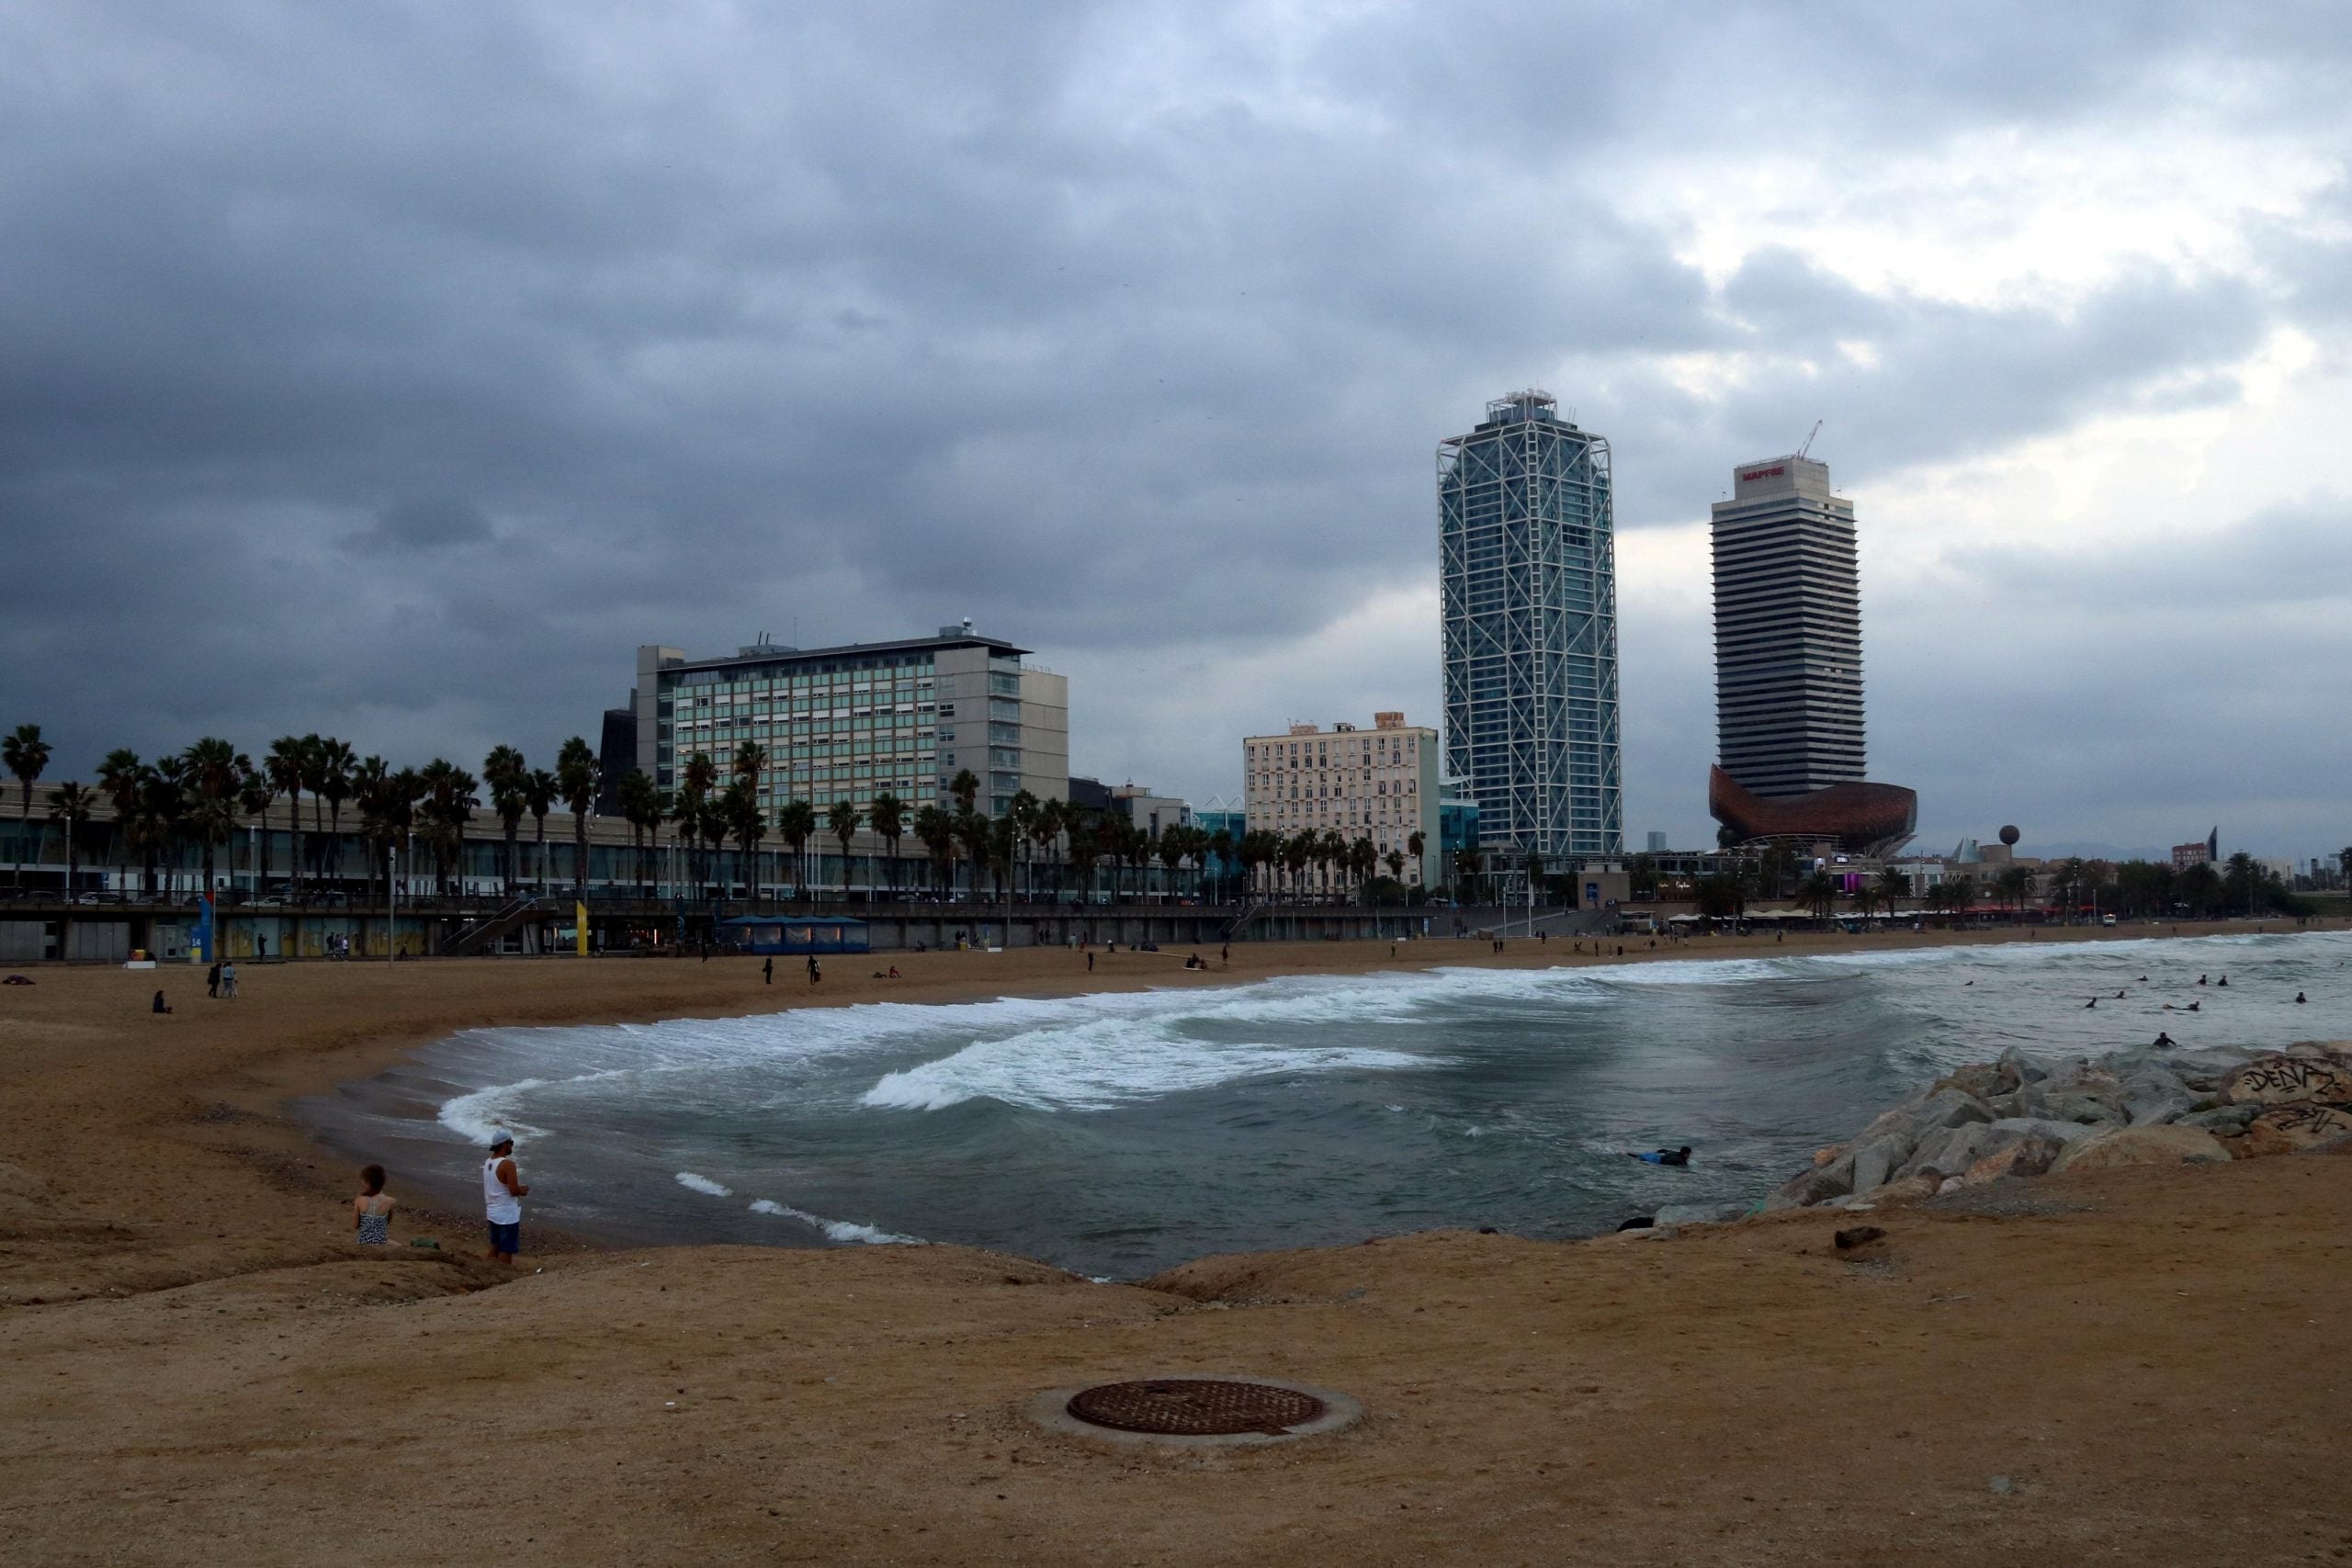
[[211, 774], [1892, 885], [119, 778], [641, 805], [936, 833], [1414, 842], [331, 783], [966, 788], [71, 804], [972, 831], [371, 780], [165, 805], [576, 778], [450, 801], [796, 824], [288, 767], [1085, 834], [1172, 851], [2014, 883], [888, 817], [749, 826], [26, 755], [540, 791], [504, 773], [1019, 815], [843, 819], [1818, 893], [694, 808]]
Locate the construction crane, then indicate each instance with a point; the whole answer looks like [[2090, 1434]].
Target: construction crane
[[1808, 438]]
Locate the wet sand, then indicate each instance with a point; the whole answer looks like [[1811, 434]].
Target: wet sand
[[196, 1365]]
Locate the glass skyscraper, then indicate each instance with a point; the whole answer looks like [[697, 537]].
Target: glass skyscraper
[[1529, 601]]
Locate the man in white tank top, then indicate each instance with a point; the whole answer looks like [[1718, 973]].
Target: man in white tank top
[[501, 1198]]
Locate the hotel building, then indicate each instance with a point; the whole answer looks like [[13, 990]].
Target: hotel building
[[1379, 783], [1788, 631], [848, 722], [1528, 598]]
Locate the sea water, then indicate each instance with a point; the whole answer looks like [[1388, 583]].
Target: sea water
[[1115, 1135]]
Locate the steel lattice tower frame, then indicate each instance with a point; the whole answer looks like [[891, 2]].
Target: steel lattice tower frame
[[1529, 604]]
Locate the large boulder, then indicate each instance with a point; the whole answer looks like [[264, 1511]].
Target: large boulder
[[2028, 1155], [2223, 1121], [2153, 1099], [2143, 1145], [2092, 1110], [1954, 1149], [1817, 1185], [2026, 1069], [2290, 1128], [1875, 1161], [2282, 1079], [1983, 1079], [1951, 1107], [1907, 1189]]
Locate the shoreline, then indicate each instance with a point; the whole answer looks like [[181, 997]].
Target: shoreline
[[311, 1115], [197, 1367]]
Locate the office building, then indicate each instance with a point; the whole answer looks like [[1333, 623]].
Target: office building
[[1379, 783], [2198, 855], [1147, 810], [1656, 845], [1529, 601], [1788, 631], [1789, 667], [850, 722]]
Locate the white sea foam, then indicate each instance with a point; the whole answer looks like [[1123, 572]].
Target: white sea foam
[[1104, 1063], [475, 1116], [693, 1183], [835, 1230]]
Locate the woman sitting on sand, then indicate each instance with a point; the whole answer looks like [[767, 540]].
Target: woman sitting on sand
[[371, 1212]]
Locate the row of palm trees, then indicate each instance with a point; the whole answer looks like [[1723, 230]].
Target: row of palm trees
[[200, 795]]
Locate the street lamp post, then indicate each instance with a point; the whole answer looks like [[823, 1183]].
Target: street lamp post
[[391, 903]]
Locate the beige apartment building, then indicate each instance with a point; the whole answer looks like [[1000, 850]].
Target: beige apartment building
[[1379, 783]]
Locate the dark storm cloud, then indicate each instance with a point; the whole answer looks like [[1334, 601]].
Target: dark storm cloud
[[399, 370]]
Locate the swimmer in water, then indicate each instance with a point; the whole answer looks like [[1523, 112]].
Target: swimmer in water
[[1663, 1157]]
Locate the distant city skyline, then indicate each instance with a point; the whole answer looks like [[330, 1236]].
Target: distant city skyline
[[376, 372]]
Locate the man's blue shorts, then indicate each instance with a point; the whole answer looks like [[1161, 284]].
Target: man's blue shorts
[[507, 1239]]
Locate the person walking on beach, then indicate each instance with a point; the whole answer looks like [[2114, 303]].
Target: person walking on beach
[[212, 979], [1089, 960], [229, 980], [501, 1198], [371, 1212], [767, 973], [815, 974]]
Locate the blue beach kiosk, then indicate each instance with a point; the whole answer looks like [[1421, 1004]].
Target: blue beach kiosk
[[781, 934]]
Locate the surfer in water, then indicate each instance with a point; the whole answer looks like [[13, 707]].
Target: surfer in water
[[1663, 1157]]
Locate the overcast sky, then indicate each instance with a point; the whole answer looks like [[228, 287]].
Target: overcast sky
[[393, 371]]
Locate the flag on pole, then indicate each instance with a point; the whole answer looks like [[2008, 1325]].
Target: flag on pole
[[580, 926]]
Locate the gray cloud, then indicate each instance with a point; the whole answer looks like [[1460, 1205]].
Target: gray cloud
[[1127, 330]]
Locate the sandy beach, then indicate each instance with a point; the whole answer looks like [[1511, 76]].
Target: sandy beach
[[199, 1367]]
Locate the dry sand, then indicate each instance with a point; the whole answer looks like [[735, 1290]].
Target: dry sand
[[197, 1367]]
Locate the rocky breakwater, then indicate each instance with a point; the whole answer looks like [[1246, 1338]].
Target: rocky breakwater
[[2023, 1115]]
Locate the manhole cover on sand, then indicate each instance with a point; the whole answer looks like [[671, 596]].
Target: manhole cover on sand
[[1195, 1410], [1194, 1407]]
